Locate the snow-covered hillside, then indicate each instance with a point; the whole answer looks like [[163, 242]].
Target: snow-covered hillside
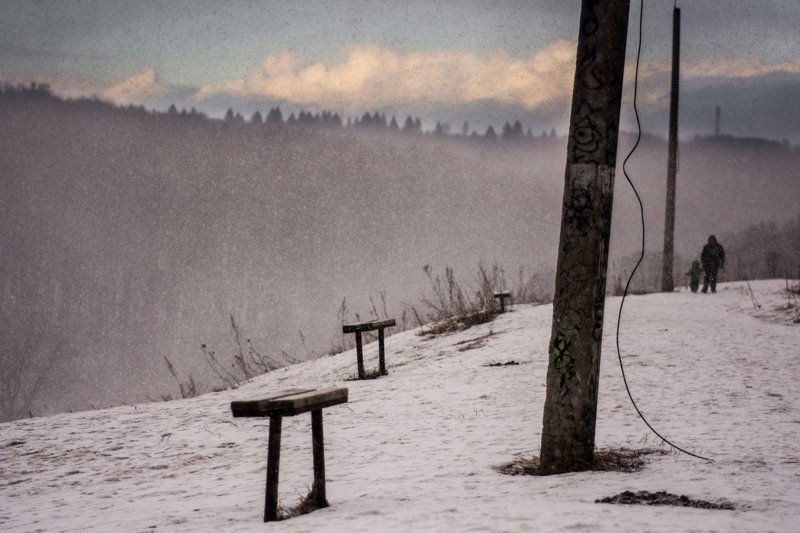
[[416, 450]]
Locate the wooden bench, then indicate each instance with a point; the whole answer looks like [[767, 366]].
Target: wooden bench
[[290, 403], [371, 325], [502, 297]]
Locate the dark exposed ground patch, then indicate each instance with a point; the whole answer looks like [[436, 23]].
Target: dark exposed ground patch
[[661, 497]]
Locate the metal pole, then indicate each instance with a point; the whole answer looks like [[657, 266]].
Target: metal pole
[[667, 282]]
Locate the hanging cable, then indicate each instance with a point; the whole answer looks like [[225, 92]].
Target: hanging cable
[[641, 256]]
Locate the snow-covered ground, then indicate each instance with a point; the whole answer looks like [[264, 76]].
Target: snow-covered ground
[[416, 450]]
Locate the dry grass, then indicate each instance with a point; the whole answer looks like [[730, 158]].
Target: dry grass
[[458, 323], [477, 342], [605, 460], [453, 306], [374, 373], [306, 505]]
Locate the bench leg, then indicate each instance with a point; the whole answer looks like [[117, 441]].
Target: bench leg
[[502, 303], [381, 353], [273, 465], [318, 448], [360, 355]]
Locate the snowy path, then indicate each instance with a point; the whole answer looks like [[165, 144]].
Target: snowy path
[[415, 450]]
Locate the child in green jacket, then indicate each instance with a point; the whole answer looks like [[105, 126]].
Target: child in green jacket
[[694, 275]]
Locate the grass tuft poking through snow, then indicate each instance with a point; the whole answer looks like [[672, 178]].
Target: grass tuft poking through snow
[[305, 505], [605, 460], [458, 323], [373, 373]]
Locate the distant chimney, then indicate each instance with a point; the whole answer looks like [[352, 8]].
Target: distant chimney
[[716, 123]]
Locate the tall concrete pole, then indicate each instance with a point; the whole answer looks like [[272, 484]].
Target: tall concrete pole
[[667, 283], [570, 409]]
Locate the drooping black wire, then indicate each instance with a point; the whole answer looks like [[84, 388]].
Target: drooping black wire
[[641, 256]]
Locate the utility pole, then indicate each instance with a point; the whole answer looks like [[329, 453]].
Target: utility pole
[[716, 121], [667, 282], [570, 409]]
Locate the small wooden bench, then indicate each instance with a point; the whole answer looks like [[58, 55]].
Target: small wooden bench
[[502, 297], [290, 403], [371, 325]]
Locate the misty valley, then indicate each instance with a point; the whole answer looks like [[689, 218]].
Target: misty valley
[[128, 238]]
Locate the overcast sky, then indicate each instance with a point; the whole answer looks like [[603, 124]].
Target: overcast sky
[[486, 62]]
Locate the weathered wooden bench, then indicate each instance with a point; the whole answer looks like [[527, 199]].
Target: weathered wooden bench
[[290, 403], [502, 297], [371, 325]]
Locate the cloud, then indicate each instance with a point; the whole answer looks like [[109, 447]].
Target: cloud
[[375, 76], [654, 77], [135, 89], [737, 68], [721, 68]]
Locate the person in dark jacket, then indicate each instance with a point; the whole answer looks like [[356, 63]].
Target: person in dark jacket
[[713, 258]]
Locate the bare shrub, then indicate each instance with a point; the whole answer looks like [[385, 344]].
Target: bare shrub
[[30, 350], [533, 288], [450, 304], [453, 307], [376, 312], [763, 251], [188, 387], [793, 289], [242, 363], [345, 342]]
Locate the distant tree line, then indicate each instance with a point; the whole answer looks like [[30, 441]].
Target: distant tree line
[[378, 121], [42, 93], [764, 251], [21, 91], [328, 120]]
